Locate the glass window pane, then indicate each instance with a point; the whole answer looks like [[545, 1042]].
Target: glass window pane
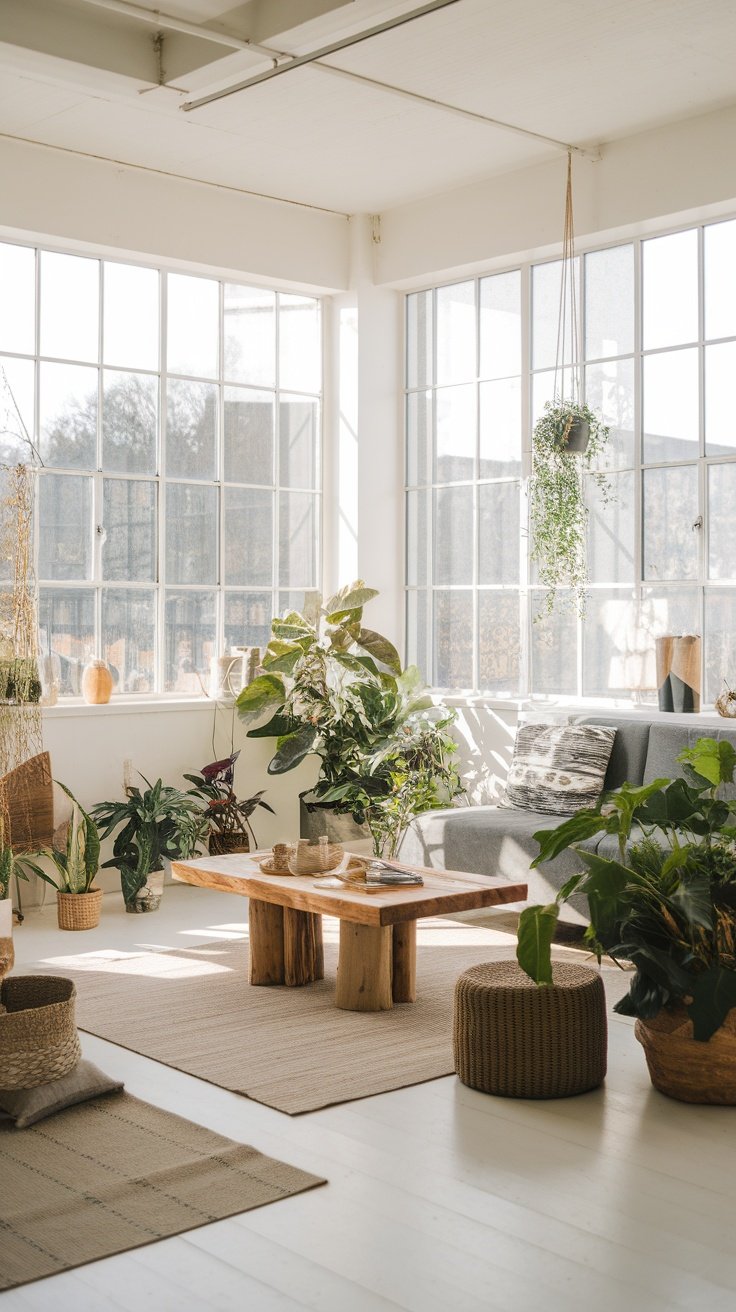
[[664, 610], [456, 344], [500, 428], [248, 422], [500, 325], [250, 335], [298, 539], [131, 316], [70, 307], [499, 645], [306, 602], [17, 299], [298, 429], [191, 429], [671, 410], [128, 637], [720, 641], [612, 531], [609, 389], [66, 622], [129, 422], [670, 289], [129, 519], [453, 535], [498, 528], [191, 533], [190, 640], [721, 522], [720, 421], [609, 302], [613, 659], [16, 411], [300, 362], [456, 435], [419, 339], [670, 510], [417, 632], [417, 527], [68, 415], [418, 436], [248, 536], [720, 279], [554, 647], [248, 619], [192, 325], [546, 313], [543, 389], [65, 527], [453, 639]]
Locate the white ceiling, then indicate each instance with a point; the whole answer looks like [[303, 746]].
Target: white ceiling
[[584, 71]]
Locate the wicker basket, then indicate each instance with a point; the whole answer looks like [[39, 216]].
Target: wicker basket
[[79, 910], [222, 844], [38, 1035], [685, 1068], [315, 858]]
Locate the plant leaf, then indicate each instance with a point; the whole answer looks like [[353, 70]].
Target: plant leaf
[[535, 933], [380, 649], [265, 691], [713, 995], [277, 727], [692, 897], [292, 750], [583, 824]]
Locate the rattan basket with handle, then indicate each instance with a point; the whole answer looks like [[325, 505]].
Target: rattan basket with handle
[[79, 910], [38, 1033]]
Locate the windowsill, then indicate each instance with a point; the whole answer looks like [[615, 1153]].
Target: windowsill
[[567, 705], [73, 706]]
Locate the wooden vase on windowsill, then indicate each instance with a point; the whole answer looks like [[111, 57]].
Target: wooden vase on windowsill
[[96, 683]]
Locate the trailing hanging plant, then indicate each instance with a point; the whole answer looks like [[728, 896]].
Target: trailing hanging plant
[[557, 503]]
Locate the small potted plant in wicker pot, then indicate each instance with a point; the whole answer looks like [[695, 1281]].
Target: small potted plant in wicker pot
[[667, 905], [75, 854], [228, 817]]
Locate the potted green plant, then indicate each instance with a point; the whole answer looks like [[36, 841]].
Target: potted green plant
[[336, 689], [667, 905], [228, 817], [75, 854], [154, 824], [567, 443]]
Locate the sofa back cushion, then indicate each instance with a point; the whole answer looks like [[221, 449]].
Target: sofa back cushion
[[557, 768], [666, 741], [629, 754]]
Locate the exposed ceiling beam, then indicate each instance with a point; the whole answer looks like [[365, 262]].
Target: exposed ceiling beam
[[298, 61]]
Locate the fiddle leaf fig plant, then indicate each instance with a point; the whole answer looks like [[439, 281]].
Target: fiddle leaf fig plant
[[561, 474]]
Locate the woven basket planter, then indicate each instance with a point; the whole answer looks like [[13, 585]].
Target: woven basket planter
[[222, 844], [518, 1040], [682, 1067], [38, 1034], [79, 910]]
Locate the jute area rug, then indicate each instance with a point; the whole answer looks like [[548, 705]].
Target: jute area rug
[[116, 1173], [291, 1048]]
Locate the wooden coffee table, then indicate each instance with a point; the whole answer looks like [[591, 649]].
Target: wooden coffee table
[[378, 931]]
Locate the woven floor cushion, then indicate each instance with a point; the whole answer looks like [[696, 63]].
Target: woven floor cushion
[[38, 1032], [519, 1040]]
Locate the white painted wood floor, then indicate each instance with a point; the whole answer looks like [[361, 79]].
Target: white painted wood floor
[[439, 1199]]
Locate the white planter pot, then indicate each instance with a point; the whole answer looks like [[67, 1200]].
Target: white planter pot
[[7, 954]]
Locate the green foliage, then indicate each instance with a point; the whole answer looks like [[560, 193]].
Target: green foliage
[[77, 863], [11, 866], [336, 689], [558, 510], [668, 904], [226, 814], [152, 824]]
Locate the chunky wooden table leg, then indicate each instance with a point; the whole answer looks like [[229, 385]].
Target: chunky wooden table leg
[[266, 935], [303, 951], [404, 975], [364, 968]]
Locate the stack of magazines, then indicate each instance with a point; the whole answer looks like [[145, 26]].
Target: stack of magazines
[[392, 874]]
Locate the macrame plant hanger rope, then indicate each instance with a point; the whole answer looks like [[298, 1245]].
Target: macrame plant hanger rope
[[568, 330]]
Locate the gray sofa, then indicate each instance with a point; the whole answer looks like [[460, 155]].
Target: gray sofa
[[498, 840]]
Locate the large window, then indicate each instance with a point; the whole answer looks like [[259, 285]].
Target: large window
[[176, 422], [659, 348]]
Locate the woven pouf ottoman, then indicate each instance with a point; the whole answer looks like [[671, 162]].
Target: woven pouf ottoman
[[517, 1039]]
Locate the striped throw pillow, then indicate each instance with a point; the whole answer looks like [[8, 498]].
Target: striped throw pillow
[[558, 768]]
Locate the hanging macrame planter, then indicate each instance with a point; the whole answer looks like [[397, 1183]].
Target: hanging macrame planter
[[567, 442]]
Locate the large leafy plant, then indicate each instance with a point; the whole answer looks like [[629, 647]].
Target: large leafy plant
[[158, 822], [667, 904], [337, 689], [75, 852], [557, 501]]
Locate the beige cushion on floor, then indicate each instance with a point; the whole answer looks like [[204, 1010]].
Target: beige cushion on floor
[[26, 1106]]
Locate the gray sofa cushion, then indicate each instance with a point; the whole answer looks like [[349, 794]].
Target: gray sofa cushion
[[629, 753], [666, 741]]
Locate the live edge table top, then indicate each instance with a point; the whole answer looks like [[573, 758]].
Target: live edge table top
[[443, 891]]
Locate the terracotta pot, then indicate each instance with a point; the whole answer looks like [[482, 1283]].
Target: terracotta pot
[[684, 1068], [79, 910], [96, 683], [7, 952]]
